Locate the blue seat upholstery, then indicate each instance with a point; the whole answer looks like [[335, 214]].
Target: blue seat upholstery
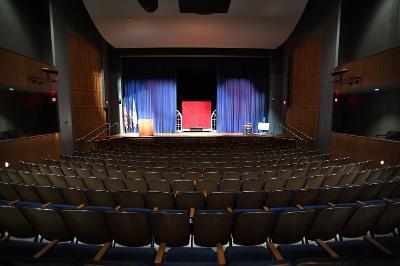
[[183, 254], [132, 254], [295, 252], [241, 253], [354, 248]]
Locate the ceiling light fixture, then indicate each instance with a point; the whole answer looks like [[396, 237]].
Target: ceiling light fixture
[[129, 19], [11, 89], [376, 89]]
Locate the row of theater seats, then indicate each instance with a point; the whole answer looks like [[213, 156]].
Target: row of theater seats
[[301, 169], [174, 182], [200, 200], [190, 160], [106, 236], [231, 173]]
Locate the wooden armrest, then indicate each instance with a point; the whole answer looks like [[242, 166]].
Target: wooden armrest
[[220, 254], [388, 200], [205, 193], [102, 251], [81, 206], [160, 254], [229, 209], [326, 248], [13, 202], [327, 186], [365, 183], [155, 209], [46, 248], [47, 204], [360, 202], [117, 208], [265, 208], [194, 182], [331, 204], [275, 252], [192, 212], [298, 206], [378, 245]]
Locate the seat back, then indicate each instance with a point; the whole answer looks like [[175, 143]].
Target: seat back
[[192, 199], [207, 185], [279, 198], [27, 193], [130, 199], [220, 200], [245, 220], [48, 223], [100, 198], [136, 185], [292, 226], [129, 228], [211, 228], [159, 185], [15, 223], [74, 196], [182, 185], [88, 226], [314, 181], [329, 222], [295, 183], [50, 194], [253, 184], [161, 200], [250, 200], [305, 196], [389, 221], [230, 185], [172, 228]]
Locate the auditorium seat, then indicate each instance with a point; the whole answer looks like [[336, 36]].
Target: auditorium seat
[[58, 181], [74, 182], [8, 192], [50, 194], [136, 185], [295, 183], [220, 200], [250, 200], [170, 176], [214, 175], [192, 175], [253, 184], [207, 185], [129, 199], [182, 185], [112, 183], [100, 198], [28, 178], [190, 199], [159, 185], [27, 193], [134, 175], [230, 185], [279, 198], [159, 200], [41, 179], [74, 196], [305, 197], [248, 251], [274, 183]]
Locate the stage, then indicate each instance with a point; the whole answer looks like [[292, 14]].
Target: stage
[[193, 135], [199, 138]]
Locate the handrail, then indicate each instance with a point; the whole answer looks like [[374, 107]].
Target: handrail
[[109, 131], [292, 132], [300, 138], [298, 130], [91, 132]]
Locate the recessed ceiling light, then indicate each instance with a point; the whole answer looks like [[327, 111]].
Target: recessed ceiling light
[[6, 164], [11, 89], [382, 162], [376, 89], [129, 19]]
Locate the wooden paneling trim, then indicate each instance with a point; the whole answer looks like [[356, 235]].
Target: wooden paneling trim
[[381, 69], [363, 148], [30, 149], [23, 72], [304, 90]]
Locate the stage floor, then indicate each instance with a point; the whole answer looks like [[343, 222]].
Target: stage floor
[[194, 134]]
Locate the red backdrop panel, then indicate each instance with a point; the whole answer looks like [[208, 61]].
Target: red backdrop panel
[[196, 114]]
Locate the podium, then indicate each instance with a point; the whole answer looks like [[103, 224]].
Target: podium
[[146, 127]]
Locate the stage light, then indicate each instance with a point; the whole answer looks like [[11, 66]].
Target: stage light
[[336, 100], [6, 164], [284, 102], [54, 99], [11, 89], [382, 162], [376, 89]]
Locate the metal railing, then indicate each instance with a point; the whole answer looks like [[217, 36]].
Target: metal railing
[[93, 131], [101, 132], [303, 134], [297, 136]]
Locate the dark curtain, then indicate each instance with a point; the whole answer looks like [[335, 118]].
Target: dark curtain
[[150, 94], [241, 98]]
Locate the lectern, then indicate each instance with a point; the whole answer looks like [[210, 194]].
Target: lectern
[[146, 127]]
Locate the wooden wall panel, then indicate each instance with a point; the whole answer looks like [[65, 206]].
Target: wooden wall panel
[[381, 69], [29, 149], [24, 72], [363, 148], [86, 86], [304, 90]]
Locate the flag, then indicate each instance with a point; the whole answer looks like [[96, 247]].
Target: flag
[[125, 116], [134, 118]]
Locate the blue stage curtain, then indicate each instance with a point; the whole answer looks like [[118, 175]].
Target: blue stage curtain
[[150, 94], [241, 98]]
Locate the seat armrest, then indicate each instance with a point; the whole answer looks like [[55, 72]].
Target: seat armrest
[[220, 255], [160, 254]]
